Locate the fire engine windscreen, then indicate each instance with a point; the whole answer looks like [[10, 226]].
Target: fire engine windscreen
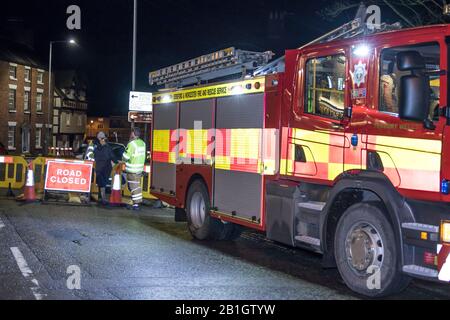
[[390, 77], [326, 86]]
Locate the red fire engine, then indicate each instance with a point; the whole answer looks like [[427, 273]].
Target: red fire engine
[[344, 152]]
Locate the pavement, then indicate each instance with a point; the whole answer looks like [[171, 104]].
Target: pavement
[[121, 255]]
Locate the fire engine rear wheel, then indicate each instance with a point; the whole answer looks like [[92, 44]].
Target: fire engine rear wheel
[[365, 247], [201, 225]]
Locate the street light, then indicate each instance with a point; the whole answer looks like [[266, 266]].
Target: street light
[[50, 92]]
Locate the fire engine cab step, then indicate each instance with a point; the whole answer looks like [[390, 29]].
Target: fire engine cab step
[[420, 271], [308, 240], [312, 205]]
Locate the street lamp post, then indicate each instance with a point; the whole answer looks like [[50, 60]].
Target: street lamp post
[[133, 71], [50, 92]]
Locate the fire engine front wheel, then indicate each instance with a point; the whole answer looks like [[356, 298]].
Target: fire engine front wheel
[[366, 253], [201, 225]]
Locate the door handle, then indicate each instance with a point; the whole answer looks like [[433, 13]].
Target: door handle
[[337, 126]]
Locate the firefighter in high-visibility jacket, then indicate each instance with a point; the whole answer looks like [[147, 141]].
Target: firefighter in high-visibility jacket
[[134, 158]]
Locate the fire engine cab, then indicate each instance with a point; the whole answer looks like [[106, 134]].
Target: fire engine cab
[[341, 147]]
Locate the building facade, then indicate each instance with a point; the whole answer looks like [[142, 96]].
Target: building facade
[[116, 128], [69, 110], [95, 125], [24, 124]]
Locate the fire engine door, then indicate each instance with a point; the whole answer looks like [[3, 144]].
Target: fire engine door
[[316, 140], [406, 152], [165, 138], [238, 177]]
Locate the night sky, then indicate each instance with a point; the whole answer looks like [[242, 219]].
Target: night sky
[[169, 31]]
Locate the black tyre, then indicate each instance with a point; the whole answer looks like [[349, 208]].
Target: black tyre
[[200, 223], [366, 253]]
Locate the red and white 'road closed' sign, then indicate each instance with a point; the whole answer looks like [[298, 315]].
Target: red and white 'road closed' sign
[[69, 176]]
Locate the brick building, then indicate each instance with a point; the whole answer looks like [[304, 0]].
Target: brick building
[[23, 100], [69, 109]]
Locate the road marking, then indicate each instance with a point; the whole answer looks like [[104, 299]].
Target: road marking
[[2, 225], [27, 273]]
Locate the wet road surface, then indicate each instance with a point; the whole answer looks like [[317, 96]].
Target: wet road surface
[[122, 255]]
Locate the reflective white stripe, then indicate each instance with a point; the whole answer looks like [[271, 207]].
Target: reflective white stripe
[[133, 171], [444, 274], [125, 156], [30, 179], [27, 273], [135, 165], [117, 183]]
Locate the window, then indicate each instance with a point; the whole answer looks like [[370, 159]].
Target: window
[[38, 138], [12, 100], [68, 119], [25, 139], [80, 120], [40, 77], [27, 74], [26, 101], [13, 72], [390, 77], [39, 102], [325, 86], [11, 137]]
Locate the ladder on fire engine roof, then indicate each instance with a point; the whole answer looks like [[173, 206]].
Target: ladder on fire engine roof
[[222, 64]]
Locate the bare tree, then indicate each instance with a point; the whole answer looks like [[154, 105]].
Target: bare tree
[[410, 12]]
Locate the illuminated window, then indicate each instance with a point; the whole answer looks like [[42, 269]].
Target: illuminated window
[[325, 86]]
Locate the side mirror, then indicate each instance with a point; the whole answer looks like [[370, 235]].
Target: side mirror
[[414, 88]]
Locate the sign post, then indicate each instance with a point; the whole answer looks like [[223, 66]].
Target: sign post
[[141, 101], [140, 109]]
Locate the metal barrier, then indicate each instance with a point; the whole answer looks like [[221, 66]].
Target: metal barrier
[[40, 168], [12, 172]]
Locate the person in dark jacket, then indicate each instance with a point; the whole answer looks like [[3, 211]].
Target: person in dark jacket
[[103, 165]]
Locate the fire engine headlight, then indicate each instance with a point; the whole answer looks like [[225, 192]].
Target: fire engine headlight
[[445, 231]]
